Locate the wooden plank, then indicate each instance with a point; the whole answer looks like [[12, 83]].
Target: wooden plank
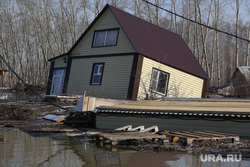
[[189, 134], [47, 129], [197, 133], [220, 133], [192, 135], [212, 134], [91, 103], [181, 134], [129, 136], [207, 134]]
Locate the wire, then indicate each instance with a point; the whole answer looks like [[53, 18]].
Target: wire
[[244, 39]]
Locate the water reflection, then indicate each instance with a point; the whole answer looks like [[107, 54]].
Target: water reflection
[[20, 149]]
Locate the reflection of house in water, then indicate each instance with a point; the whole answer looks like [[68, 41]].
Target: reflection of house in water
[[103, 157], [107, 159], [22, 149]]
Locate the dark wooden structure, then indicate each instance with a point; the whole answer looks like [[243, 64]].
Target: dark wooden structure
[[241, 82]]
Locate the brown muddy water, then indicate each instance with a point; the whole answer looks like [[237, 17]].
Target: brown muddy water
[[23, 150]]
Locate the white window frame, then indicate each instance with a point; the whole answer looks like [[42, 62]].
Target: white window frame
[[157, 82], [57, 89], [97, 73], [105, 38]]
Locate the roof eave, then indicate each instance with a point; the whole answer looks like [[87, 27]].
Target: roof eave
[[206, 78], [54, 58]]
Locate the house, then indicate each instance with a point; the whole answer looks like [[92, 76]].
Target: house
[[241, 82], [239, 85], [121, 56]]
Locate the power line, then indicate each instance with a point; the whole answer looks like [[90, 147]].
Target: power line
[[244, 39]]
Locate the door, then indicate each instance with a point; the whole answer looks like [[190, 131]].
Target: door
[[57, 82]]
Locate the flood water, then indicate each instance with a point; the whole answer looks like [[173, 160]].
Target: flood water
[[23, 150]]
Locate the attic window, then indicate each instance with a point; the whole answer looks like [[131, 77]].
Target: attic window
[[105, 38], [159, 82]]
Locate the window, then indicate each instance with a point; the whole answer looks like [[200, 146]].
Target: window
[[97, 74], [105, 38], [159, 81], [57, 82]]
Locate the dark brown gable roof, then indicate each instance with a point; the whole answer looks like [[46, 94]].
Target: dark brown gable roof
[[153, 42], [158, 43]]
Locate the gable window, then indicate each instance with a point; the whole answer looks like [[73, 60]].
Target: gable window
[[159, 81], [105, 38], [97, 73]]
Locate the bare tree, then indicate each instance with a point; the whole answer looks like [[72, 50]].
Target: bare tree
[[238, 3]]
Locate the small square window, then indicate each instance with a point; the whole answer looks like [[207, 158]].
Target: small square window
[[97, 72], [105, 38], [159, 81]]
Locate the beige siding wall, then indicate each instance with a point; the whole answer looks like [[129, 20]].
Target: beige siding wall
[[59, 63], [181, 84], [115, 81], [106, 21]]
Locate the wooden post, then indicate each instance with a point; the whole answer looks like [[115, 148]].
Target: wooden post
[[91, 103]]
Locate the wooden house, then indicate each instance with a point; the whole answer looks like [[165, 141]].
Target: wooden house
[[241, 82], [121, 56]]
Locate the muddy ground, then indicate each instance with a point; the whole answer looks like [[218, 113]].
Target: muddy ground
[[28, 117]]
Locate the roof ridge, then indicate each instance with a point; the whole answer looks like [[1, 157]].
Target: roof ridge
[[143, 20]]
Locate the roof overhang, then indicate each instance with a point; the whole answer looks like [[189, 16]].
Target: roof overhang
[[57, 57]]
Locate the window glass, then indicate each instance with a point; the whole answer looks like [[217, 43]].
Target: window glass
[[58, 72], [96, 79], [96, 69], [97, 74], [111, 37], [162, 82], [57, 82], [159, 81], [100, 69], [105, 38], [155, 74], [99, 38], [153, 84]]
